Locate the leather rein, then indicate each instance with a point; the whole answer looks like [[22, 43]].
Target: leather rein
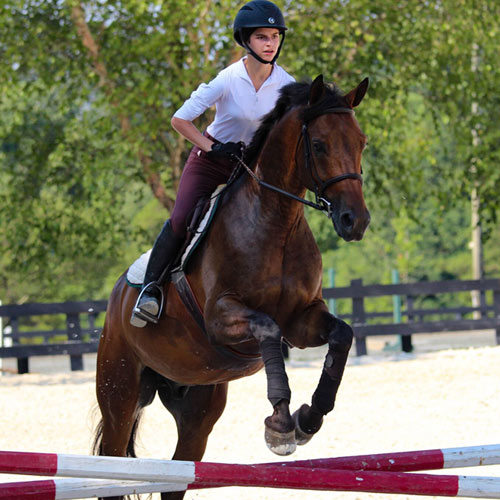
[[320, 186]]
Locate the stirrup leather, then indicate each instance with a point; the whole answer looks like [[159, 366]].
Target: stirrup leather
[[144, 315]]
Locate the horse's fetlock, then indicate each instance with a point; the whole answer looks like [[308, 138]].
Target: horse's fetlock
[[310, 419]]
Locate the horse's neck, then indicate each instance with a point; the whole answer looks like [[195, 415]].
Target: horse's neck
[[276, 166], [253, 209]]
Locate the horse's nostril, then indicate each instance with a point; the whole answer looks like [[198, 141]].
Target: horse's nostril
[[347, 220]]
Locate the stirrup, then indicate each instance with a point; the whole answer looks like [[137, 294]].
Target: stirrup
[[146, 316]]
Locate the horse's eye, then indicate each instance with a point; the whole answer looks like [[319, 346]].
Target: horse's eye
[[319, 147]]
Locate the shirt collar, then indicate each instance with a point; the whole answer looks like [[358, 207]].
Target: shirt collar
[[243, 73]]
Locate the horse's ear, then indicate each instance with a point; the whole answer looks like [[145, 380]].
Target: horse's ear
[[355, 96], [317, 90]]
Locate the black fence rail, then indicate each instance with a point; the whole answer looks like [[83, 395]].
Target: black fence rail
[[81, 332], [415, 320], [80, 335]]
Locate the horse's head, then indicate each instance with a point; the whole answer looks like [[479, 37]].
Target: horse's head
[[332, 144]]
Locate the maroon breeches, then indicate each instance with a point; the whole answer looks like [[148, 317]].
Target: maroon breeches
[[199, 179]]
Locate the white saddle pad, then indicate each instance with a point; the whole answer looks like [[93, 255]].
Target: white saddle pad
[[136, 272]]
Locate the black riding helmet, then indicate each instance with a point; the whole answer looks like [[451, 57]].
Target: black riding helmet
[[258, 14]]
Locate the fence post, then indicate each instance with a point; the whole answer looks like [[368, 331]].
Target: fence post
[[405, 340], [332, 306], [496, 312], [22, 363], [74, 333], [406, 343], [358, 318], [482, 303]]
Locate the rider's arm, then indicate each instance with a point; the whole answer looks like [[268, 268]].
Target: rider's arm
[[191, 133], [204, 97]]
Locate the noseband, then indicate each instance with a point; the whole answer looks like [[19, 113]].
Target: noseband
[[320, 186]]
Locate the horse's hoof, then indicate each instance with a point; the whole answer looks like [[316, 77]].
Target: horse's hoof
[[302, 437], [280, 443]]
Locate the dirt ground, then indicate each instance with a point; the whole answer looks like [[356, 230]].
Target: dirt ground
[[389, 401]]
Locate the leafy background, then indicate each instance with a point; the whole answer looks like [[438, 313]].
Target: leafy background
[[89, 163]]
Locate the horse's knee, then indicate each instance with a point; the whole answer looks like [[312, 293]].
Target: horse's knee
[[263, 328], [341, 337]]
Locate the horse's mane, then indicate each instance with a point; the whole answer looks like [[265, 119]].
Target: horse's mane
[[292, 95]]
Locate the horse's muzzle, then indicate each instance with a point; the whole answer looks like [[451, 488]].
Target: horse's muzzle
[[350, 225]]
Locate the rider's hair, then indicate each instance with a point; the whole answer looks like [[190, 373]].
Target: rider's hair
[[245, 34]]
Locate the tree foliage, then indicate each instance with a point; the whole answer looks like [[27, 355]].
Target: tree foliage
[[89, 163]]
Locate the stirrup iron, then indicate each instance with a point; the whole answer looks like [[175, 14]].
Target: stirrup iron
[[145, 315]]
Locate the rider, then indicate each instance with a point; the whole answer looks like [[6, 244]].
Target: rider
[[242, 93]]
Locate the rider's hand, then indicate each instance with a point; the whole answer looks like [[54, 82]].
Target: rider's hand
[[227, 150]]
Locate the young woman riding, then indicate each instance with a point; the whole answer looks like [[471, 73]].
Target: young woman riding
[[242, 94]]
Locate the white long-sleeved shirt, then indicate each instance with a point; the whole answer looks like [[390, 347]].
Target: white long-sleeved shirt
[[239, 107]]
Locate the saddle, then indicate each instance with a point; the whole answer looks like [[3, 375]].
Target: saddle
[[197, 229]]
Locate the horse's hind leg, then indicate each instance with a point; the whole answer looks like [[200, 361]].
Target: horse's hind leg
[[124, 388], [195, 409]]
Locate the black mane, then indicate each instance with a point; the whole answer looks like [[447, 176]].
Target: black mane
[[292, 95]]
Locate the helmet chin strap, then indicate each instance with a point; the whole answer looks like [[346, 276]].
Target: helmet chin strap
[[263, 61]]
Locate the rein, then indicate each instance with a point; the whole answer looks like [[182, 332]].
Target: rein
[[320, 186]]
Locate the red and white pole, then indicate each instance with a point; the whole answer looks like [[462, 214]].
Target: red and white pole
[[409, 461], [65, 489], [142, 469], [98, 467], [382, 474], [216, 475]]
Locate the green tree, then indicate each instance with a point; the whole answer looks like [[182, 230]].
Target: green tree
[[87, 92], [89, 163]]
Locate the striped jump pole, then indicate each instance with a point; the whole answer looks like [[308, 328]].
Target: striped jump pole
[[409, 461], [143, 469], [66, 489], [215, 474], [177, 475], [97, 467]]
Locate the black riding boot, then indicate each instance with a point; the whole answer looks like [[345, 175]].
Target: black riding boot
[[149, 303]]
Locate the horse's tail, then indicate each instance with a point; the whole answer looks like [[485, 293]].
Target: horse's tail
[[97, 442]]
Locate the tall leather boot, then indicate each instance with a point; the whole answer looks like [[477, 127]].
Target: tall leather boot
[[149, 304]]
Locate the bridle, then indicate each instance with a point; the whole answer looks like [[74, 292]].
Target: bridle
[[320, 186]]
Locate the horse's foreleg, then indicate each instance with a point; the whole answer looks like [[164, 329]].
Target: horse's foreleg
[[280, 428], [233, 322], [339, 336]]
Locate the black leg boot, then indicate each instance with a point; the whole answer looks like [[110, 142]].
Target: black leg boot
[[164, 252]]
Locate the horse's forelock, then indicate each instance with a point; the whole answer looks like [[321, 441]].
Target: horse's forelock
[[292, 95]]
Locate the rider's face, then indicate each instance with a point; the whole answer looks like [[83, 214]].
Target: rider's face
[[265, 42]]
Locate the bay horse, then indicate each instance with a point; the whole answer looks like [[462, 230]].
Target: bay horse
[[257, 278]]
